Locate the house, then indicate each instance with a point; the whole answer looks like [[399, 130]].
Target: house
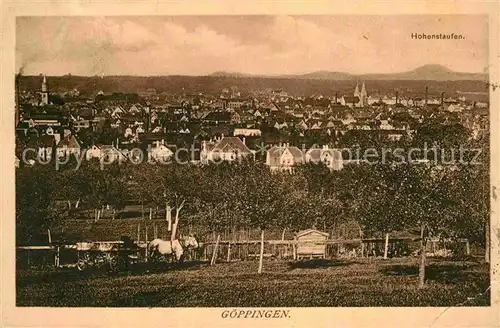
[[235, 104], [110, 154], [80, 123], [311, 243], [224, 149], [247, 132], [284, 157], [135, 109], [46, 146], [117, 112], [46, 119], [332, 158], [159, 153], [93, 152], [280, 126], [68, 145]]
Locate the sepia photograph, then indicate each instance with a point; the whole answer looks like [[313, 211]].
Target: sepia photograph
[[263, 162]]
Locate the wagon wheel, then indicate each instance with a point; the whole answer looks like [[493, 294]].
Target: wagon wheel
[[82, 263]]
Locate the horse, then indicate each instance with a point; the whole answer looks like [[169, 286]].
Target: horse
[[159, 247]]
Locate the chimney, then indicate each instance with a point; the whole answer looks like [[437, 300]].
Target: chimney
[[336, 96], [222, 136], [244, 141], [397, 97], [426, 95], [162, 141]]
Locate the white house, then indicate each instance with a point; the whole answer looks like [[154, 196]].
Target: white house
[[332, 158], [284, 157], [93, 152], [110, 154], [247, 132], [224, 149], [67, 146], [159, 153]]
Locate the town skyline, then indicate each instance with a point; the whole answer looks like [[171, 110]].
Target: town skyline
[[250, 45]]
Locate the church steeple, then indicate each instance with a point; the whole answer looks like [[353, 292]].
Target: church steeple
[[363, 90], [45, 91], [356, 91], [44, 84], [362, 97]]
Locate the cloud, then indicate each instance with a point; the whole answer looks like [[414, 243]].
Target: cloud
[[275, 45]]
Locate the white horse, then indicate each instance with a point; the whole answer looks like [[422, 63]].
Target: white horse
[[159, 247]]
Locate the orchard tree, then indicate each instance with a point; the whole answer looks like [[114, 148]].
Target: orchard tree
[[404, 196], [35, 209]]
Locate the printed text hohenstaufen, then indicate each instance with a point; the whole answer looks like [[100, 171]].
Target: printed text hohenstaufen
[[439, 36]]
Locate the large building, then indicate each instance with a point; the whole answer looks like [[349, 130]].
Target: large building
[[228, 149]]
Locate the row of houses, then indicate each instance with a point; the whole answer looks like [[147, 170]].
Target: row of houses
[[282, 157]]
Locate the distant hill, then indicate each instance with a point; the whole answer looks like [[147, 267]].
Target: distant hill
[[437, 78], [429, 72], [230, 74], [424, 73]]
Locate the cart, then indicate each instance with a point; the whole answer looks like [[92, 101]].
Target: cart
[[114, 255]]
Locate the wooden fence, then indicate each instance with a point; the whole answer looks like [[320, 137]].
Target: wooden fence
[[240, 250]]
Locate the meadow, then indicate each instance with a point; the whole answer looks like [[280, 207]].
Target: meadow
[[316, 283]]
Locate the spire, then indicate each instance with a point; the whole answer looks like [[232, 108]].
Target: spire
[[356, 91], [44, 84], [363, 90]]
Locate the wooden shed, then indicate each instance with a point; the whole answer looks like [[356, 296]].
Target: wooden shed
[[310, 244]]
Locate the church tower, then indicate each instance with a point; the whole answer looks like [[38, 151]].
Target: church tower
[[45, 92], [363, 96], [356, 91]]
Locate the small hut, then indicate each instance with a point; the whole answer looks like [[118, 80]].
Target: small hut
[[311, 244]]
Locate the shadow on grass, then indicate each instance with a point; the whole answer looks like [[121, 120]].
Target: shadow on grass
[[51, 275], [131, 215], [317, 263], [399, 270], [450, 273], [166, 266]]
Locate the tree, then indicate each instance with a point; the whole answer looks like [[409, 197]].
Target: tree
[[34, 203], [405, 196]]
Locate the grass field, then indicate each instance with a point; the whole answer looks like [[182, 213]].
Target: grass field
[[316, 283]]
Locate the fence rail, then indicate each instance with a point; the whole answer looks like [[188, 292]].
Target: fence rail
[[230, 250]]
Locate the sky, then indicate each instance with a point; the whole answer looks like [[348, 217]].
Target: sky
[[269, 45]]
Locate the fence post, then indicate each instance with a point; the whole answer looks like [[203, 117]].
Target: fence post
[[261, 250], [228, 251], [146, 242], [467, 247], [49, 236], [362, 243], [294, 248], [57, 257], [386, 247], [138, 233], [214, 254]]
